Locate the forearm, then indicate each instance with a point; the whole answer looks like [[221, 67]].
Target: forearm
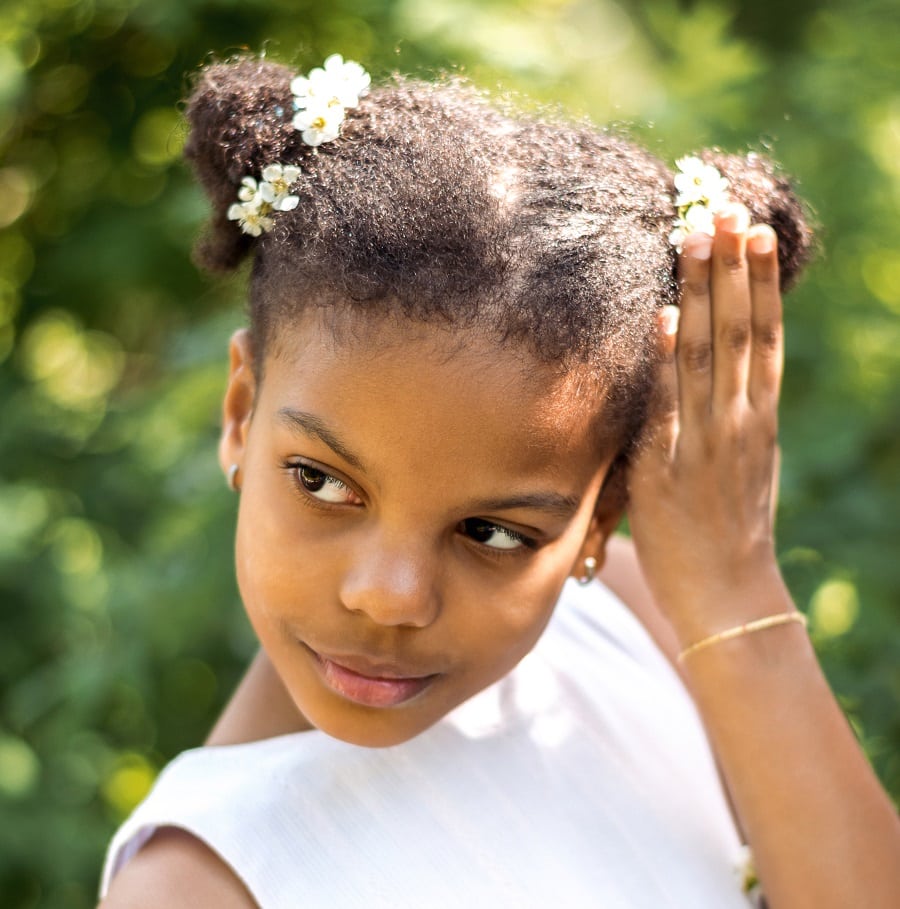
[[823, 832]]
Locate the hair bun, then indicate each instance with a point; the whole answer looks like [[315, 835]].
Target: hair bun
[[239, 117], [768, 195]]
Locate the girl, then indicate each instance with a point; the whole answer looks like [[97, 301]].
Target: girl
[[461, 365]]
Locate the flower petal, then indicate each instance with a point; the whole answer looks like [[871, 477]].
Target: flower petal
[[288, 203]]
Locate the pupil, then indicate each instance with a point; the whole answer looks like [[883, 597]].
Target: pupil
[[312, 479], [481, 531]]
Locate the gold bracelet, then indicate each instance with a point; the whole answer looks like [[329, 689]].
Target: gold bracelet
[[756, 625]]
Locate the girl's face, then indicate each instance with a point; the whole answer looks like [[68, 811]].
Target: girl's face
[[408, 516]]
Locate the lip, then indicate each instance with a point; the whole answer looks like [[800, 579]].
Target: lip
[[367, 682]]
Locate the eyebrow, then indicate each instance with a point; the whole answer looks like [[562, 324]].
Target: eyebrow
[[552, 502], [311, 425]]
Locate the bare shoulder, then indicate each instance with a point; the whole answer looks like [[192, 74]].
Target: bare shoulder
[[176, 870], [622, 574]]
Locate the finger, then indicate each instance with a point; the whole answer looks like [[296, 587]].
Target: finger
[[661, 428], [767, 345], [693, 352], [731, 309]]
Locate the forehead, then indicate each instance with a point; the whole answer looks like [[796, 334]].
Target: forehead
[[435, 390]]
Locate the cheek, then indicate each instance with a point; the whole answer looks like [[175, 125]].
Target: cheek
[[507, 620], [278, 561]]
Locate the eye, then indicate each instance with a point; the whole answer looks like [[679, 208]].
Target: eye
[[495, 536], [323, 486]]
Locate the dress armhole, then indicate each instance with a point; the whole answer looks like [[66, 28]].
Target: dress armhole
[[170, 866]]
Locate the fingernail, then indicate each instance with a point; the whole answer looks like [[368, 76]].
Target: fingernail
[[670, 316], [698, 246], [734, 219], [762, 240]]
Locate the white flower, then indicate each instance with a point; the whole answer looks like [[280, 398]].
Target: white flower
[[320, 121], [350, 78], [702, 193], [249, 190], [699, 182], [278, 202], [322, 97], [281, 177], [677, 238], [745, 872], [700, 219], [276, 185], [310, 89], [252, 217], [259, 200]]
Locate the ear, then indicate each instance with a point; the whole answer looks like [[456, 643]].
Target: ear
[[607, 516], [237, 408]]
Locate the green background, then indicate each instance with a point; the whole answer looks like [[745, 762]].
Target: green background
[[121, 631]]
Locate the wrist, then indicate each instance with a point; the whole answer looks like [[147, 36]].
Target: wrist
[[706, 610], [736, 631]]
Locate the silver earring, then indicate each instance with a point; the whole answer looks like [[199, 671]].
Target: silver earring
[[232, 478], [590, 571]]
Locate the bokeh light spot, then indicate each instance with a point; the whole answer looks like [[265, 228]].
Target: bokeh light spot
[[74, 368], [158, 137], [834, 608], [77, 548], [16, 189], [19, 767], [128, 783]]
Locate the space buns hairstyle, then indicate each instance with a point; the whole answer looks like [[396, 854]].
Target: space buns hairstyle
[[436, 203]]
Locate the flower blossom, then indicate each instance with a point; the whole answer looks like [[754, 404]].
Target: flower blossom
[[702, 193], [259, 200], [249, 190], [322, 98], [320, 121], [253, 219], [699, 182], [276, 186]]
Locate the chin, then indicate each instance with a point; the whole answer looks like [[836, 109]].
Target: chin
[[370, 729]]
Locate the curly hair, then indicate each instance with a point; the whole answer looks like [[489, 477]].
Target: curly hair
[[440, 205]]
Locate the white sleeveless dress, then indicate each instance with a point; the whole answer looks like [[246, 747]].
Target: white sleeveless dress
[[582, 779]]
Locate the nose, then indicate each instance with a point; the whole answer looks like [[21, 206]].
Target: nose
[[393, 583]]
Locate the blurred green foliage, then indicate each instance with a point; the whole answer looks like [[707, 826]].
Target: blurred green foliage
[[121, 629]]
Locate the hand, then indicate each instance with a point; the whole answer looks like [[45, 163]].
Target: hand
[[702, 484]]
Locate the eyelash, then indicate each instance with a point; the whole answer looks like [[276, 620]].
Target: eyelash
[[528, 543], [294, 468]]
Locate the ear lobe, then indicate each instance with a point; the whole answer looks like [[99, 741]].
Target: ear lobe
[[237, 406], [608, 513]]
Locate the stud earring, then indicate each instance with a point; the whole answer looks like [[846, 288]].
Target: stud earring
[[590, 571], [232, 478]]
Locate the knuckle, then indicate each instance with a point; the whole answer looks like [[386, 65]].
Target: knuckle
[[765, 277], [732, 262], [736, 335], [696, 286], [695, 282], [767, 337], [697, 355]]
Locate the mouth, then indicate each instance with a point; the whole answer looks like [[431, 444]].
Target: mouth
[[369, 683]]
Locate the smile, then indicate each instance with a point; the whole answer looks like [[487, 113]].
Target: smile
[[378, 686]]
